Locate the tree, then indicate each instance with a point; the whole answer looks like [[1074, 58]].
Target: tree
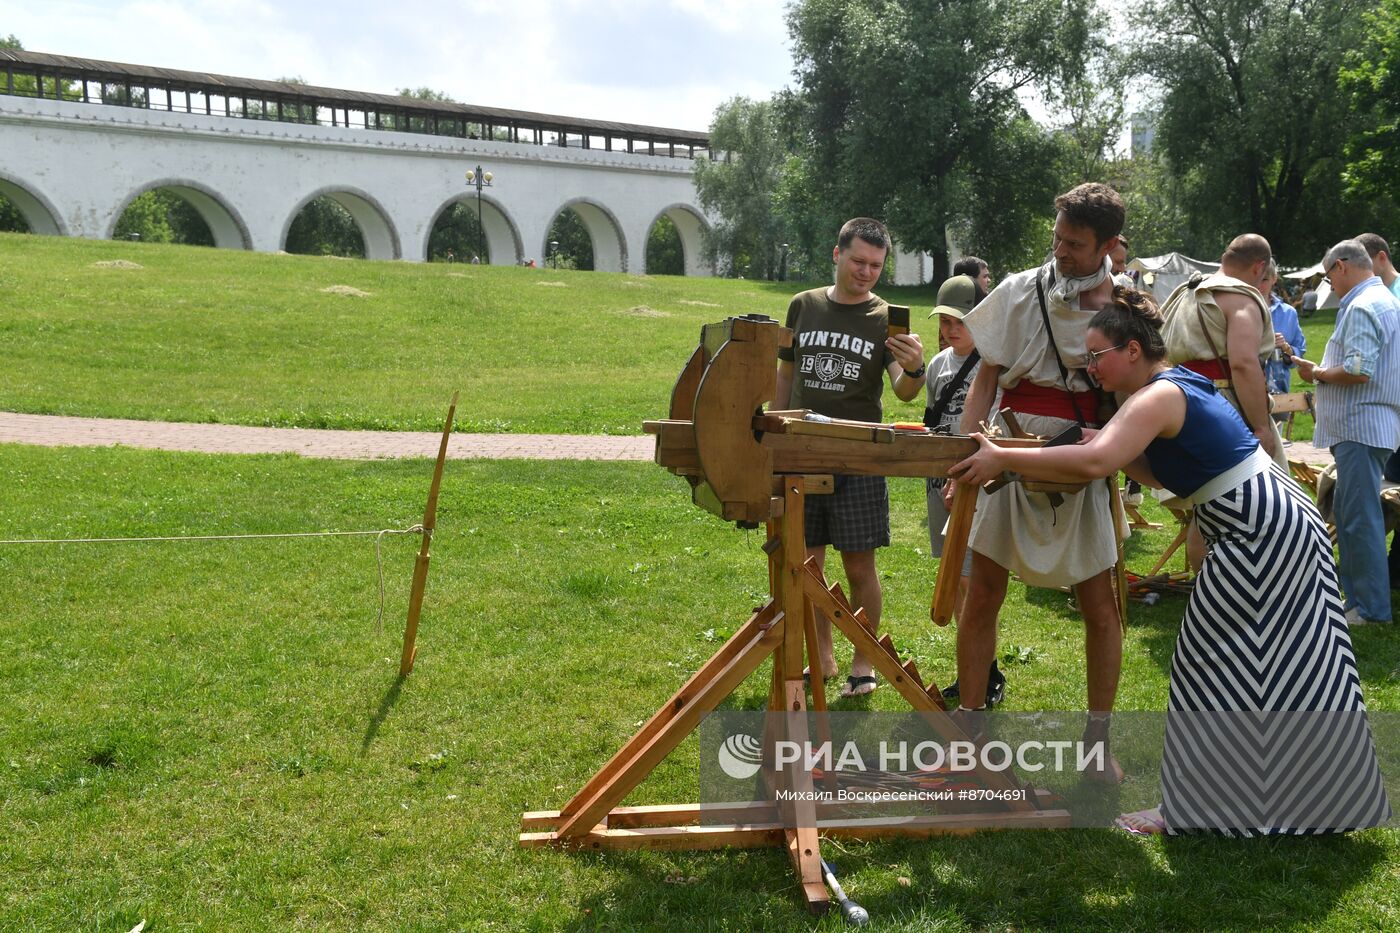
[[162, 216], [908, 110], [741, 185], [1252, 121], [1371, 78], [575, 249], [665, 255], [11, 220], [458, 232], [324, 228]]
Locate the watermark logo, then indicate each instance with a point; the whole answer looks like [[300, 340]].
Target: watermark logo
[[740, 756]]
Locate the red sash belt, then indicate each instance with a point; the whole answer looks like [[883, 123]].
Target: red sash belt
[[1211, 369], [1031, 399]]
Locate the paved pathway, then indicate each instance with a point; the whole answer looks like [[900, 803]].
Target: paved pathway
[[61, 431]]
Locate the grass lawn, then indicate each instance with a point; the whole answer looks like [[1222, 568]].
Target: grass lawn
[[212, 735], [250, 338]]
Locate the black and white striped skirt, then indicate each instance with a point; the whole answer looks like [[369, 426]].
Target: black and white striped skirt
[[1266, 728]]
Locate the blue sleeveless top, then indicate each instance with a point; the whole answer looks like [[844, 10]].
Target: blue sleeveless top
[[1213, 437]]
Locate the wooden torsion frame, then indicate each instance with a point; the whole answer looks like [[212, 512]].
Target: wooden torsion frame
[[749, 466]]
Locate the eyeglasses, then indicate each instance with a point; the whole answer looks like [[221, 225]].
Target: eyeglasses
[[1095, 354], [1332, 268]]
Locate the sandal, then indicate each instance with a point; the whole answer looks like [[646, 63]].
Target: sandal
[[1142, 822], [859, 686]]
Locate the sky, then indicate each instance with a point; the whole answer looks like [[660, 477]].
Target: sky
[[665, 63]]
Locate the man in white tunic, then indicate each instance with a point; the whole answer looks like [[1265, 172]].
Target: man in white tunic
[[1030, 333]]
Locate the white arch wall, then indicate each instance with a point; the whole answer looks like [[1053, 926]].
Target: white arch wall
[[36, 208], [90, 159]]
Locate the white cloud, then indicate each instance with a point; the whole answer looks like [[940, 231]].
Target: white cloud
[[665, 63]]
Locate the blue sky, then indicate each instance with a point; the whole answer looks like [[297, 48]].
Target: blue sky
[[664, 62]]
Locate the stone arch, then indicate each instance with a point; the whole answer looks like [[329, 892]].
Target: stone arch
[[609, 242], [33, 205], [376, 229], [224, 222], [692, 227], [503, 237]]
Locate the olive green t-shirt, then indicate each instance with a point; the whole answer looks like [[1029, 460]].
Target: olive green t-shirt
[[839, 355]]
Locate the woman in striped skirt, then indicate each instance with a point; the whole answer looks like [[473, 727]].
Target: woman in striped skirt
[[1266, 729]]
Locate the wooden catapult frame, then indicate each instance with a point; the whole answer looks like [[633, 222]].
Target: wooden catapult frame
[[752, 467]]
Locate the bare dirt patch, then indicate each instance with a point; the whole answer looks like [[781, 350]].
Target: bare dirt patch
[[699, 304], [118, 264], [349, 290], [644, 311], [554, 284]]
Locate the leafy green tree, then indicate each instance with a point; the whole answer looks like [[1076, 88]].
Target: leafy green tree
[[1156, 221], [457, 233], [324, 228], [575, 245], [665, 255], [908, 109], [11, 220], [1371, 78], [741, 185], [162, 216], [1252, 120]]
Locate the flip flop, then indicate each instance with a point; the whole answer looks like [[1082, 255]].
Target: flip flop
[[807, 677], [1142, 822], [859, 686]]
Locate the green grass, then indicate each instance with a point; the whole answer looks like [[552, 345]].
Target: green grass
[[247, 338], [212, 735]]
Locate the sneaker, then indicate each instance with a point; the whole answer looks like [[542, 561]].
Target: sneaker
[[1132, 493], [996, 690], [1354, 617], [951, 692]]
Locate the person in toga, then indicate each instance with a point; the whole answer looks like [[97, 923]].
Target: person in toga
[[1030, 333]]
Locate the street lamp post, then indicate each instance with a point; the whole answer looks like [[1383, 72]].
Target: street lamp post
[[480, 180], [554, 253]]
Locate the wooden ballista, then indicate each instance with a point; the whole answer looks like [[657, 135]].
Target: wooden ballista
[[748, 466]]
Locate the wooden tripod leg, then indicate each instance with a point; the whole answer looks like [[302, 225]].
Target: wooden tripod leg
[[803, 844], [625, 775], [945, 590], [681, 699], [420, 567], [888, 665], [1177, 542], [1120, 567]]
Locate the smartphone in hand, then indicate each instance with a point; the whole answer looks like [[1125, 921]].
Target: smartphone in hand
[[899, 320]]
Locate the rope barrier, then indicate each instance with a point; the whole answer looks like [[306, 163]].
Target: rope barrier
[[378, 538]]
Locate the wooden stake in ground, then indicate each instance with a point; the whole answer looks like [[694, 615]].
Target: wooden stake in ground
[[420, 568]]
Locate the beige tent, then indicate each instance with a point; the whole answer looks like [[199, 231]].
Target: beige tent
[[1162, 274]]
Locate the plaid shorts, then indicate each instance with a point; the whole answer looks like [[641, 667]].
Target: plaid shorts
[[856, 517]]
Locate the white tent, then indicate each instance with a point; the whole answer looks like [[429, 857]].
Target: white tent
[[1162, 274], [1313, 276]]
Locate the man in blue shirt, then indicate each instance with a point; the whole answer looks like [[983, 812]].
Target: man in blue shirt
[[1380, 262], [1288, 336], [1358, 417]]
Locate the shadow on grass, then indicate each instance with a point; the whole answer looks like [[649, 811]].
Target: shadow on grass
[[386, 703], [1067, 879]]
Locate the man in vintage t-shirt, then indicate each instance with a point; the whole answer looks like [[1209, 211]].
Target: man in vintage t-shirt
[[836, 366]]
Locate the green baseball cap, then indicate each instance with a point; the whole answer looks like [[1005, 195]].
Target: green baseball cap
[[956, 297]]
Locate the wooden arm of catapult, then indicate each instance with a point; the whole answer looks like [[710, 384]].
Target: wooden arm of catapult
[[721, 440]]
